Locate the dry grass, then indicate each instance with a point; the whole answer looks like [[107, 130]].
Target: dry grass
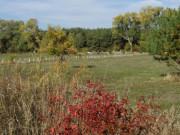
[[24, 93], [173, 77], [24, 96]]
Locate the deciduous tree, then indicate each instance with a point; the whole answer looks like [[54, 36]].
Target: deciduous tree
[[164, 41], [127, 26], [10, 35], [148, 17], [30, 34], [56, 42]]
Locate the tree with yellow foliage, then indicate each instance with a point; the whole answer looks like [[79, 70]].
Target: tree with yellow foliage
[[127, 26], [148, 17], [56, 42]]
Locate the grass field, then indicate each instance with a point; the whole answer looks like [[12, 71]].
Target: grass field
[[137, 74], [129, 75], [26, 88]]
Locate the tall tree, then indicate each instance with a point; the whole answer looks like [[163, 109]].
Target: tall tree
[[106, 39], [55, 41], [10, 35], [148, 17], [127, 26], [89, 40], [31, 33], [93, 39], [79, 41], [164, 41]]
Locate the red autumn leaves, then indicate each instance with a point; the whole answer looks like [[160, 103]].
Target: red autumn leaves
[[92, 110]]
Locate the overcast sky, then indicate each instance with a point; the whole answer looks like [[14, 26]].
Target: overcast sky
[[75, 13]]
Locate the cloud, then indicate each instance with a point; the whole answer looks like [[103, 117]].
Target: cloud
[[17, 7], [73, 13], [136, 6], [66, 12], [172, 3]]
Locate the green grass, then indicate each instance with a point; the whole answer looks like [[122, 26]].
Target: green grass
[[137, 74], [129, 75]]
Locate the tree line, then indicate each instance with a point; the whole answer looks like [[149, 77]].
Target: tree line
[[133, 31], [17, 36]]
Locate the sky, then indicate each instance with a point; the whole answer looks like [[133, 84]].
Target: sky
[[75, 13]]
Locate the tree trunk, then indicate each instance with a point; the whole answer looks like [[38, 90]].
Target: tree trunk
[[130, 43]]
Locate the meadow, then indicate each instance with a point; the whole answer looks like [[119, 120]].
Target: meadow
[[135, 75], [130, 76]]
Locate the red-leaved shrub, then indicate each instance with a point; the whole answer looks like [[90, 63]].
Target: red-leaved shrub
[[92, 110]]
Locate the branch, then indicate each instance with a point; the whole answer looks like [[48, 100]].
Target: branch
[[125, 37]]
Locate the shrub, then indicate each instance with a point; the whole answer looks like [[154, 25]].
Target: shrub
[[110, 50], [116, 48], [12, 57], [142, 46], [85, 49], [92, 110], [127, 47], [136, 48]]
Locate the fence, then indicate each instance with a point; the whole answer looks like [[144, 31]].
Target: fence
[[39, 59]]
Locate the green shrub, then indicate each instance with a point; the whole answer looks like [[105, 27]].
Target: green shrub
[[85, 49], [12, 57], [127, 47], [143, 46], [116, 48]]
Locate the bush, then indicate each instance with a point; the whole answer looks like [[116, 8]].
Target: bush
[[116, 48], [110, 50], [93, 110], [142, 46], [85, 49], [136, 48], [12, 57], [127, 47]]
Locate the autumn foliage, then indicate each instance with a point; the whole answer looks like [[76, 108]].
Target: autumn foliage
[[93, 110]]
